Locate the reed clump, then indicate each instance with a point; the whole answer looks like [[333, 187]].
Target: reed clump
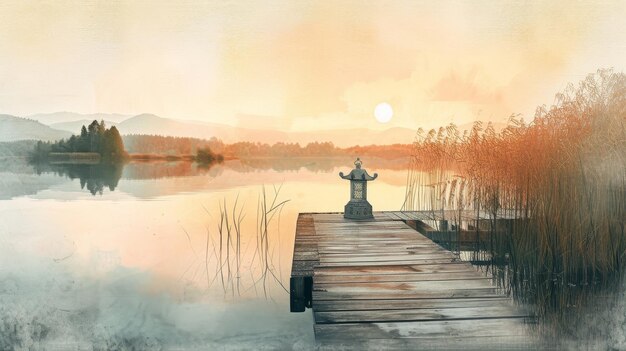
[[240, 252], [560, 182]]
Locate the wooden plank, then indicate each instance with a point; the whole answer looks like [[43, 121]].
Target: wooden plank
[[303, 268], [389, 251], [397, 252], [379, 243], [394, 215], [410, 215], [364, 250], [391, 239], [407, 234], [430, 314], [363, 238], [386, 263], [362, 225], [373, 225], [365, 225], [307, 255], [409, 286], [411, 277], [382, 215], [338, 218], [305, 258], [373, 250], [344, 235], [348, 227], [425, 294], [361, 249], [404, 216], [426, 329], [345, 231], [481, 343], [402, 304], [374, 232], [427, 267], [407, 258]]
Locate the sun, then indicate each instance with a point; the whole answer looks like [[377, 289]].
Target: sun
[[383, 112]]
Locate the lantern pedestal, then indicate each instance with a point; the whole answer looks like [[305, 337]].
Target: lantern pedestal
[[358, 207], [358, 210]]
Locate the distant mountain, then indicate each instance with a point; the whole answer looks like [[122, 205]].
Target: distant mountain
[[74, 126], [152, 124], [352, 137], [61, 117], [16, 128], [59, 125]]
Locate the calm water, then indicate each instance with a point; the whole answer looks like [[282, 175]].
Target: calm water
[[131, 257]]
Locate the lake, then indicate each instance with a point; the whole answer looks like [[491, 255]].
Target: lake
[[131, 257], [170, 255]]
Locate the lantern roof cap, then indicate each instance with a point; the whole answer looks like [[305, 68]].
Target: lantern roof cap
[[358, 173]]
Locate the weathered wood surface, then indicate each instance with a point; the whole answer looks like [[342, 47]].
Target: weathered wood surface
[[447, 214], [379, 284]]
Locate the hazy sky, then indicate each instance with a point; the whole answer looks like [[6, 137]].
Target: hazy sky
[[309, 65]]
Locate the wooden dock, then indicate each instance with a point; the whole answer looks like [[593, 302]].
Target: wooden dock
[[379, 284]]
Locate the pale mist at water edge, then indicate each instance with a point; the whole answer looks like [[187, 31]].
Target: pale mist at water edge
[[135, 267], [123, 260]]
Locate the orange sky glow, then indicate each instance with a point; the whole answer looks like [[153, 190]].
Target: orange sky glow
[[301, 65]]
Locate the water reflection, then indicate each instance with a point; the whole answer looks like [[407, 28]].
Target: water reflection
[[242, 255], [196, 267], [191, 271], [104, 276], [21, 178], [55, 306], [94, 178], [163, 169]]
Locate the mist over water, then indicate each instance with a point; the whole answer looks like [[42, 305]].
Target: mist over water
[[131, 257], [138, 262]]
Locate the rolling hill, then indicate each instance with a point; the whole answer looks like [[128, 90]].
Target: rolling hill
[[62, 117], [74, 126], [150, 124], [14, 128]]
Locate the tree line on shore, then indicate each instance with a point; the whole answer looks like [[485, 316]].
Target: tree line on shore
[[95, 138], [158, 144], [109, 145], [112, 147]]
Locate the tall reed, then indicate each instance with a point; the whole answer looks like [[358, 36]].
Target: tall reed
[[256, 259], [560, 181]]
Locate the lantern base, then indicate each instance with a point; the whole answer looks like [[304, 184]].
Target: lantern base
[[358, 210]]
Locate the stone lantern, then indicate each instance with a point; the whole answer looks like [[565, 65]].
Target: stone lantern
[[358, 207]]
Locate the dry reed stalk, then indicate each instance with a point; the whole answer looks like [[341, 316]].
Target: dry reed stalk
[[562, 178]]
